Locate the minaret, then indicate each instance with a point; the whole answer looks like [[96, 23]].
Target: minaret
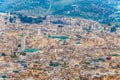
[[39, 33], [9, 15], [22, 42], [17, 22]]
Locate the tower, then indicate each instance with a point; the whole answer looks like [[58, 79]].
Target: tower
[[22, 42], [39, 33], [17, 21], [9, 15]]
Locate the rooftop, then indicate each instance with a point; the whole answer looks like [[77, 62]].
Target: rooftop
[[30, 50], [58, 37]]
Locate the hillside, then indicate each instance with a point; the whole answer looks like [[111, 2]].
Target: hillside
[[103, 11]]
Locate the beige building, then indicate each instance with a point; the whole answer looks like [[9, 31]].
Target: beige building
[[93, 42]]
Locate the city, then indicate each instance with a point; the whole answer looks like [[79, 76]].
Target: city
[[59, 48]]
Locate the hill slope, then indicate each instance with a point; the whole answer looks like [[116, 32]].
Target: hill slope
[[104, 11]]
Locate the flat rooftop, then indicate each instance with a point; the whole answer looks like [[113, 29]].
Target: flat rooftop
[[58, 37], [30, 50]]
